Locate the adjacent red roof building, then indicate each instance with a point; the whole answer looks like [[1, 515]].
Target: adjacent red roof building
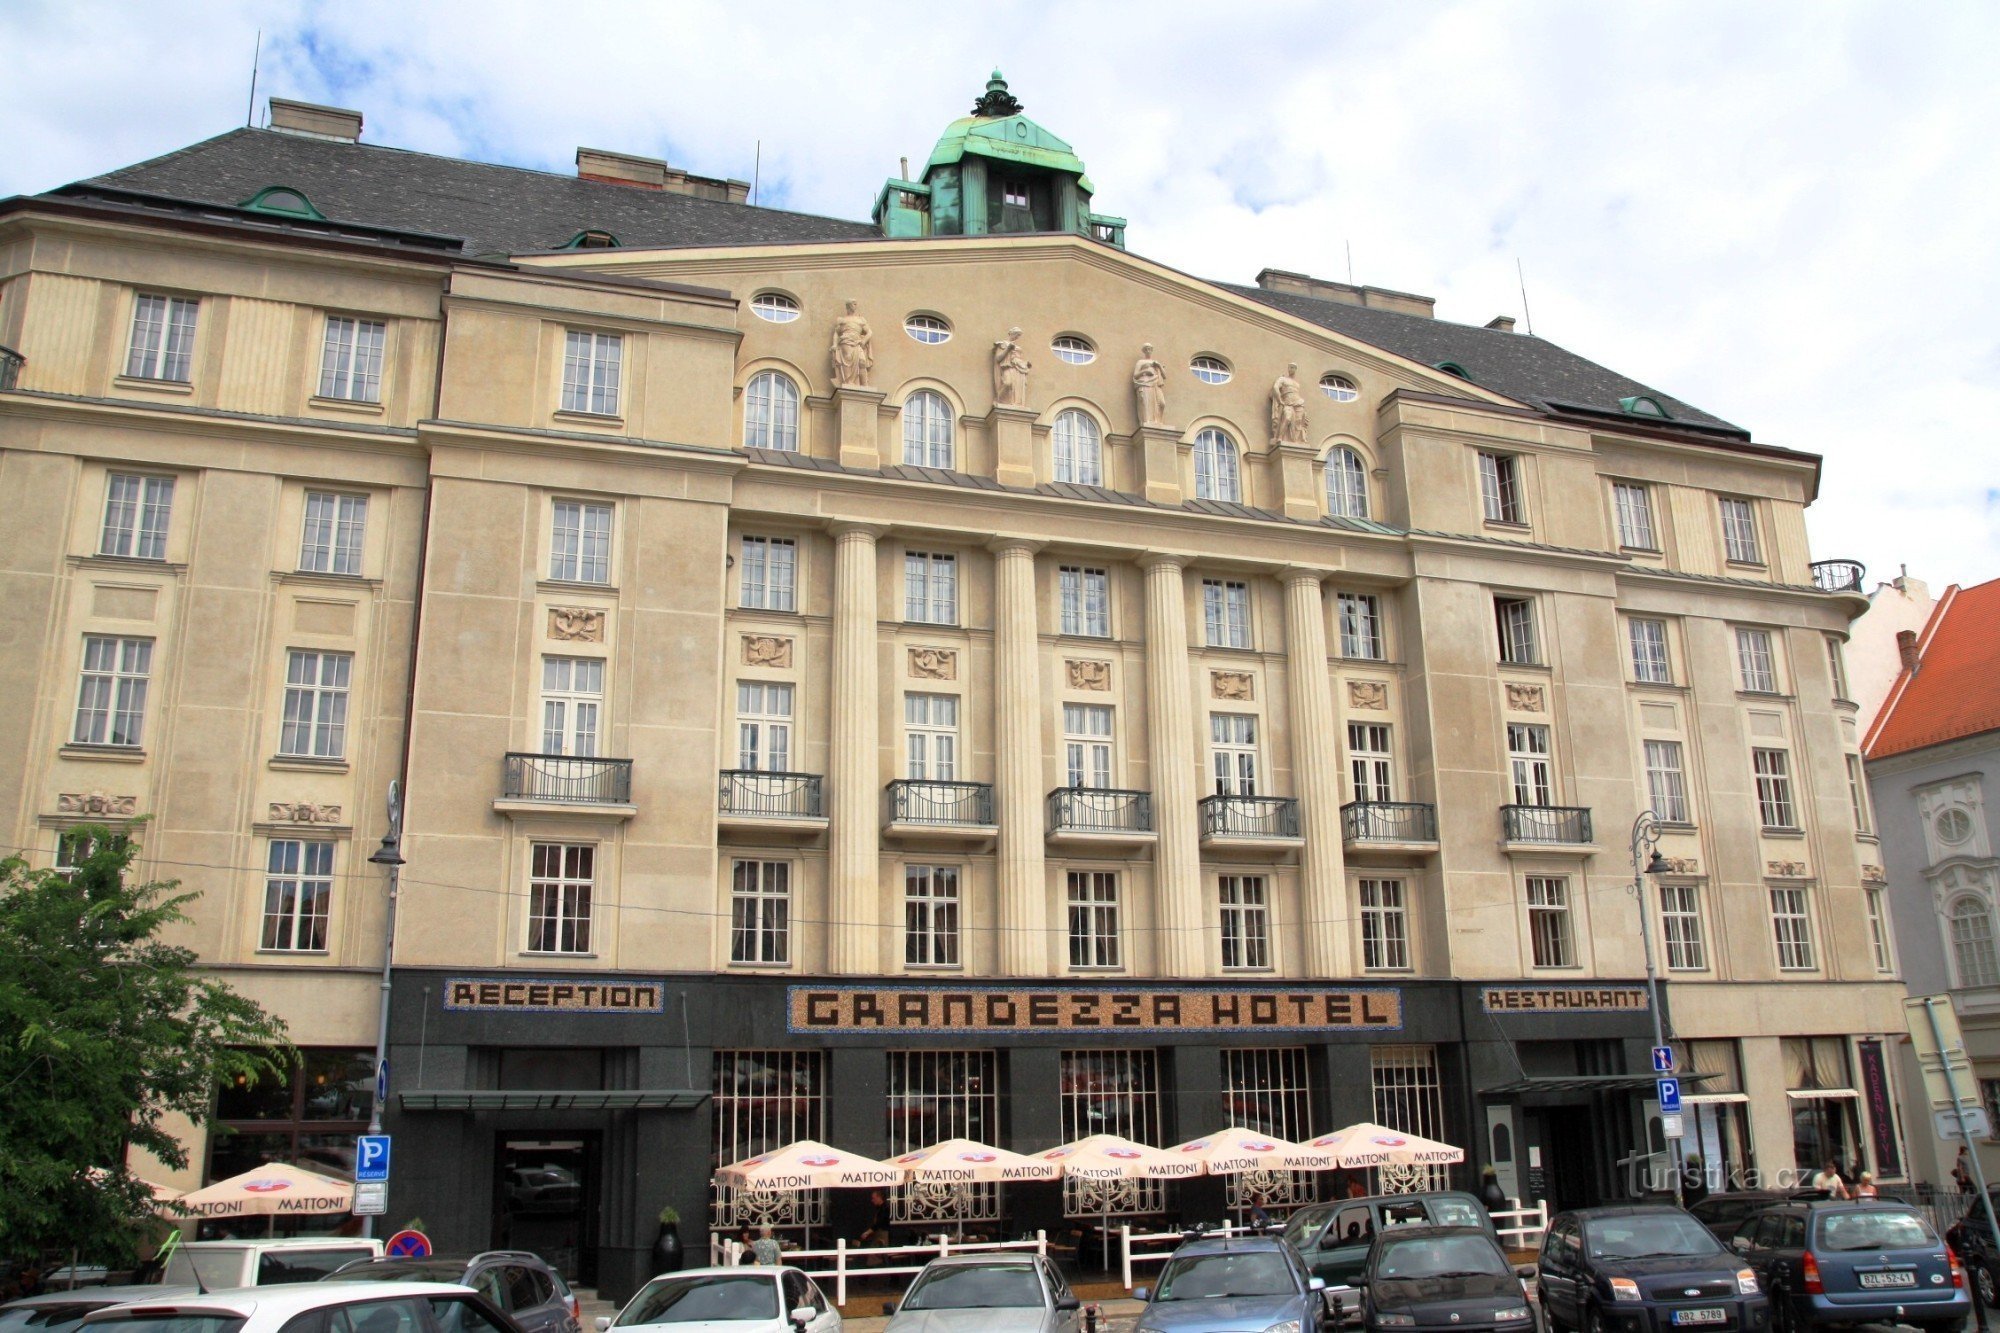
[[1950, 683]]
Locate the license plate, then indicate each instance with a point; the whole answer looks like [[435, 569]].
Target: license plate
[[1904, 1277], [1710, 1316]]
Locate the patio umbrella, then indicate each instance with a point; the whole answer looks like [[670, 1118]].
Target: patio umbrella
[[1236, 1151], [808, 1165], [268, 1191], [1106, 1157], [958, 1163], [1368, 1144]]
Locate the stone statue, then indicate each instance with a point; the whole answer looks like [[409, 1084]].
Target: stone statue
[[1010, 371], [1149, 384], [853, 350], [1288, 408]]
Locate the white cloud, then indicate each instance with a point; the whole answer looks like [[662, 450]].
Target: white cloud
[[1783, 213]]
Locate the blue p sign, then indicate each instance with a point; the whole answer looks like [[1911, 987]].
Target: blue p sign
[[371, 1157], [1670, 1096]]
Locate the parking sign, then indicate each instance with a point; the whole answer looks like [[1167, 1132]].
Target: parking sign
[[371, 1158], [1670, 1096]]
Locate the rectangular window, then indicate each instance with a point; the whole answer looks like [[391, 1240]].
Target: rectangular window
[[930, 916], [1361, 626], [1878, 930], [1857, 795], [1087, 745], [770, 574], [591, 364], [1774, 789], [334, 527], [1111, 1092], [1791, 928], [760, 913], [1086, 601], [572, 705], [1680, 926], [1666, 784], [1739, 532], [1515, 619], [763, 726], [1500, 488], [930, 737], [1225, 613], [1385, 926], [1634, 506], [111, 697], [930, 588], [1836, 667], [1409, 1098], [316, 705], [162, 339], [580, 546], [934, 1096], [1246, 922], [1528, 762], [560, 877], [1271, 1087], [350, 362], [1093, 918], [74, 848], [136, 512], [1369, 761], [1650, 665], [1233, 753], [1755, 666], [1549, 931], [298, 893], [763, 1100]]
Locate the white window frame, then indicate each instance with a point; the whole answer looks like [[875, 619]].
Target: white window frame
[[1211, 369], [930, 330], [1652, 661], [1739, 531], [1371, 765], [931, 904], [350, 359], [1836, 667], [580, 542], [572, 705], [1756, 661], [1095, 917], [1077, 446], [1232, 750], [1218, 469], [1776, 806], [1791, 927], [1085, 596], [1666, 781], [1089, 753], [593, 365], [1684, 942], [562, 882], [138, 510], [1360, 617], [1551, 923], [930, 588], [111, 691], [930, 737], [775, 307], [1514, 625], [1968, 922], [161, 346], [1225, 613], [1879, 936], [1346, 481], [1500, 488], [316, 695], [1857, 796], [770, 574], [930, 430], [1632, 505], [1245, 902], [771, 412], [1385, 925], [1073, 349], [1530, 765], [764, 726], [760, 912], [332, 533], [298, 896]]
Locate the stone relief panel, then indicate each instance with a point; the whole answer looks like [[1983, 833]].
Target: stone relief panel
[[576, 624], [1785, 869], [303, 812], [767, 650], [1086, 675], [1367, 694], [1682, 865], [934, 663], [1527, 699], [95, 803], [1873, 874], [1232, 685]]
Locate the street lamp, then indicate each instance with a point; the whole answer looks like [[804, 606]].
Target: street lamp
[[1646, 838], [390, 855]]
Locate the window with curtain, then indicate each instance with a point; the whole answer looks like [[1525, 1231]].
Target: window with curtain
[[1346, 483], [1970, 922], [1215, 471], [1079, 448], [927, 430]]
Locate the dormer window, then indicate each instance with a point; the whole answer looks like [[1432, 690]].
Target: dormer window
[[1014, 193], [592, 240], [1453, 368], [1642, 406], [284, 201]]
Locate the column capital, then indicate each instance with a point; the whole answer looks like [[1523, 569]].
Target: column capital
[[844, 531], [1008, 412], [1151, 560], [1292, 574], [855, 393], [1007, 545]]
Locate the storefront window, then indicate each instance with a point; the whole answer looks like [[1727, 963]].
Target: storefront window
[[765, 1100], [939, 1095], [1270, 1091], [307, 1117], [1111, 1092], [1719, 1113], [1408, 1097], [1821, 1088]]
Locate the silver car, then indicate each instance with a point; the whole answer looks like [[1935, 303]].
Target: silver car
[[986, 1293]]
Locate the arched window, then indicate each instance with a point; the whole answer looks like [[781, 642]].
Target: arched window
[[927, 427], [1346, 483], [1971, 923], [1215, 474], [1079, 448], [771, 412]]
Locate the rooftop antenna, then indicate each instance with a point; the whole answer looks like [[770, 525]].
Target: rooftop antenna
[[757, 173], [256, 55], [1350, 263], [1522, 274], [904, 163]]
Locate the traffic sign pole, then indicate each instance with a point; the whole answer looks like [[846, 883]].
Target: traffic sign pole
[[1930, 1004]]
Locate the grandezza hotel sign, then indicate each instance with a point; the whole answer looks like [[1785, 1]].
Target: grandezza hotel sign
[[838, 1009]]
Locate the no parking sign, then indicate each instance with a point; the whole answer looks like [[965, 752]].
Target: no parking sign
[[408, 1245]]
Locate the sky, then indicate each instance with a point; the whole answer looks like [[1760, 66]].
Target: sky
[[1784, 213]]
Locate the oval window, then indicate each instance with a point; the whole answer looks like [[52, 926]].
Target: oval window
[[928, 329], [1073, 349], [1210, 369], [1339, 388], [774, 306]]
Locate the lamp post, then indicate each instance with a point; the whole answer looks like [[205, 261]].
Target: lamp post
[[389, 854], [1646, 838]]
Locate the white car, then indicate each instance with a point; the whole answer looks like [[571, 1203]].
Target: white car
[[751, 1299], [320, 1307], [987, 1293], [220, 1264]]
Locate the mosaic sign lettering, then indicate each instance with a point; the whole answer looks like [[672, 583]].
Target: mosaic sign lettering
[[1134, 1009], [547, 997]]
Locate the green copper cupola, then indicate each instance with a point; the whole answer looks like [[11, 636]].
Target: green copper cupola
[[996, 172]]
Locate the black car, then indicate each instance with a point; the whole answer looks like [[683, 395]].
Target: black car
[[1972, 1238], [1722, 1214], [1830, 1262], [1643, 1268], [1442, 1277], [520, 1283]]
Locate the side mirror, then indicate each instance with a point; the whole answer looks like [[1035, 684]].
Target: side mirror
[[1070, 1302], [803, 1315], [1316, 1284], [1524, 1271], [1740, 1244], [888, 1309], [603, 1322], [1142, 1293]]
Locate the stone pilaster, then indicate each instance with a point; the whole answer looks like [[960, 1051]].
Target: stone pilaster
[[1023, 883], [1316, 776], [1295, 475], [1170, 728], [860, 426], [1160, 458], [855, 831], [1013, 430]]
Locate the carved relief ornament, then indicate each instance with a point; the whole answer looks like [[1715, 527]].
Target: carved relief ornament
[[95, 803], [1367, 694], [1086, 675], [766, 650], [576, 624], [1682, 865], [1526, 699], [1785, 869], [1232, 685], [934, 663], [1873, 875], [303, 812]]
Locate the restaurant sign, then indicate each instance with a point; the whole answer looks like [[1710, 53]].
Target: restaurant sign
[[833, 1009], [1562, 999], [574, 996]]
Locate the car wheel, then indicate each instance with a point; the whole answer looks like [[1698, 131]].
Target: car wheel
[[1549, 1312], [1593, 1320], [1989, 1286]]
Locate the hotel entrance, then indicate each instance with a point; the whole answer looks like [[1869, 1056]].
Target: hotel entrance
[[545, 1200]]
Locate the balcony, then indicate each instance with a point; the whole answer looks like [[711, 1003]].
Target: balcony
[[939, 811], [1838, 575], [1388, 826], [1100, 817], [1545, 826], [566, 784], [766, 802], [11, 362], [1266, 824]]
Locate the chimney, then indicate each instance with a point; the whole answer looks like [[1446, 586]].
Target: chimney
[[1501, 323], [650, 173], [1325, 289], [315, 122], [1906, 648]]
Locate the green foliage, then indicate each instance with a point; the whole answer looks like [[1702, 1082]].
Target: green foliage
[[669, 1217], [104, 1031]]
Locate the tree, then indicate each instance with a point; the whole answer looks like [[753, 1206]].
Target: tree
[[105, 1029]]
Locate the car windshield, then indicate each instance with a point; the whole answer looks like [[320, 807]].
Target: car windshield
[[1440, 1256], [984, 1287], [690, 1300], [1303, 1228], [1457, 1213], [171, 1321], [1886, 1230], [451, 1271], [1647, 1236], [1206, 1276], [48, 1317]]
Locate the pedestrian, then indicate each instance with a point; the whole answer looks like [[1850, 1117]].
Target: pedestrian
[[1259, 1219], [1961, 1172], [1694, 1180], [1828, 1179], [877, 1232], [1490, 1192], [765, 1249], [1865, 1187]]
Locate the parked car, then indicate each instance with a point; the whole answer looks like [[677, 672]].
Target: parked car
[[1442, 1277], [1245, 1282], [351, 1307], [221, 1264], [750, 1300], [61, 1311], [1333, 1239], [533, 1294], [1830, 1262], [1025, 1294], [1971, 1238], [1643, 1268], [1722, 1214]]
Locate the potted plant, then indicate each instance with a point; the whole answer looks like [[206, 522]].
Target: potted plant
[[667, 1252]]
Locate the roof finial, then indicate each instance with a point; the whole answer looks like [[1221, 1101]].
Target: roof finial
[[998, 101]]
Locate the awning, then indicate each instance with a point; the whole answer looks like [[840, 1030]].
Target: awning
[[1821, 1094], [1712, 1098], [1533, 1083], [592, 1099]]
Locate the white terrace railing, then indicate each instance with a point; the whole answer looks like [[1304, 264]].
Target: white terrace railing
[[1529, 1224], [865, 1260]]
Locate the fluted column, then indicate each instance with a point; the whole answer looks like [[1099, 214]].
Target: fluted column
[[1170, 730], [854, 835], [1023, 888], [1316, 776]]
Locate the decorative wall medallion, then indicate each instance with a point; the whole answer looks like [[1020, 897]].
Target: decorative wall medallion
[[303, 812], [934, 663], [95, 803], [1873, 875], [766, 650], [1087, 675], [1367, 694], [1232, 685], [1785, 869], [1527, 699], [1682, 865], [576, 624]]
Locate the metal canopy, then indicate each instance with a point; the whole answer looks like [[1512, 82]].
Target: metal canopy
[[591, 1099], [1584, 1083]]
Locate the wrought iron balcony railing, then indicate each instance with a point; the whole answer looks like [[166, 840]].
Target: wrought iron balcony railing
[[1545, 823], [919, 801], [765, 794], [1388, 821], [1249, 817], [1838, 575], [11, 362], [567, 779], [1100, 810]]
